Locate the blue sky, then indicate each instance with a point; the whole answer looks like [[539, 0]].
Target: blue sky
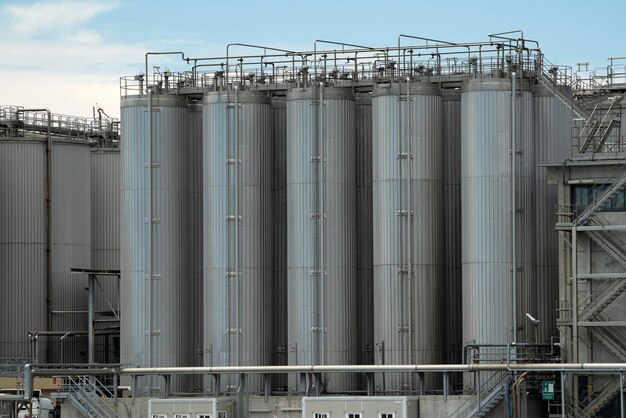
[[68, 54]]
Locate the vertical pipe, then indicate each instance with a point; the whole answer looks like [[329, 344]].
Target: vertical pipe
[[513, 206], [322, 223], [90, 314], [237, 229], [621, 394], [149, 241], [409, 217], [563, 412], [575, 356]]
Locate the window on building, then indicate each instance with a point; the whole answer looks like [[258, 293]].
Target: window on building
[[386, 415], [203, 415], [320, 415], [221, 414], [182, 416], [585, 195], [353, 415], [159, 415]]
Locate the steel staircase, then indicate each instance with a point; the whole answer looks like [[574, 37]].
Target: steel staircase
[[603, 397], [619, 182], [480, 406], [595, 131], [546, 81], [89, 396], [611, 338], [603, 299]]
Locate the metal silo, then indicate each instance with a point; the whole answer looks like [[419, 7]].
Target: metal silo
[[155, 235], [321, 258], [553, 130], [23, 242], [105, 236], [237, 192], [364, 244], [486, 199], [279, 270], [408, 227], [71, 246], [451, 136]]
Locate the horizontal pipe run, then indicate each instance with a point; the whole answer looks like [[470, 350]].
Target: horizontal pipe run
[[601, 275], [406, 368]]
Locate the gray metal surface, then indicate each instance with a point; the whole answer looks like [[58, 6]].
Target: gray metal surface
[[486, 205], [408, 228], [237, 258], [166, 295], [364, 244], [197, 237], [451, 137], [22, 246], [71, 246], [105, 235], [279, 269], [553, 131], [322, 260]]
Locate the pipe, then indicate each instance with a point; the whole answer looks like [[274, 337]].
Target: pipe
[[322, 225], [149, 245], [28, 382], [249, 46], [237, 229], [513, 206], [409, 218], [91, 349], [182, 54], [515, 391]]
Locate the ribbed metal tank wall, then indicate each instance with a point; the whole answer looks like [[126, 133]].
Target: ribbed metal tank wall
[[486, 206], [553, 131], [364, 244], [71, 246], [195, 217], [105, 236], [407, 198], [22, 247], [322, 269], [237, 258], [279, 269], [166, 296], [451, 136]]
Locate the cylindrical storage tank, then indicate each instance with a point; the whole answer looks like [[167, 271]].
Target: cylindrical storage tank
[[407, 199], [279, 269], [237, 192], [451, 136], [71, 247], [155, 236], [105, 241], [364, 244], [486, 196], [321, 259], [197, 241], [553, 131], [23, 243]]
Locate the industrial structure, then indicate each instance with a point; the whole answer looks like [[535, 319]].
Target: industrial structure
[[423, 219]]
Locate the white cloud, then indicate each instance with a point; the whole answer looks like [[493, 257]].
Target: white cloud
[[42, 16]]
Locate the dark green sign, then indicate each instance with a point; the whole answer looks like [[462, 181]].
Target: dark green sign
[[547, 390]]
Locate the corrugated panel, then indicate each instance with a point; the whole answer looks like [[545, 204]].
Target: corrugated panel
[[327, 304], [279, 283], [71, 246], [553, 122], [196, 227], [238, 328], [364, 249], [23, 287], [105, 235], [406, 302], [171, 337], [451, 136], [486, 204]]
